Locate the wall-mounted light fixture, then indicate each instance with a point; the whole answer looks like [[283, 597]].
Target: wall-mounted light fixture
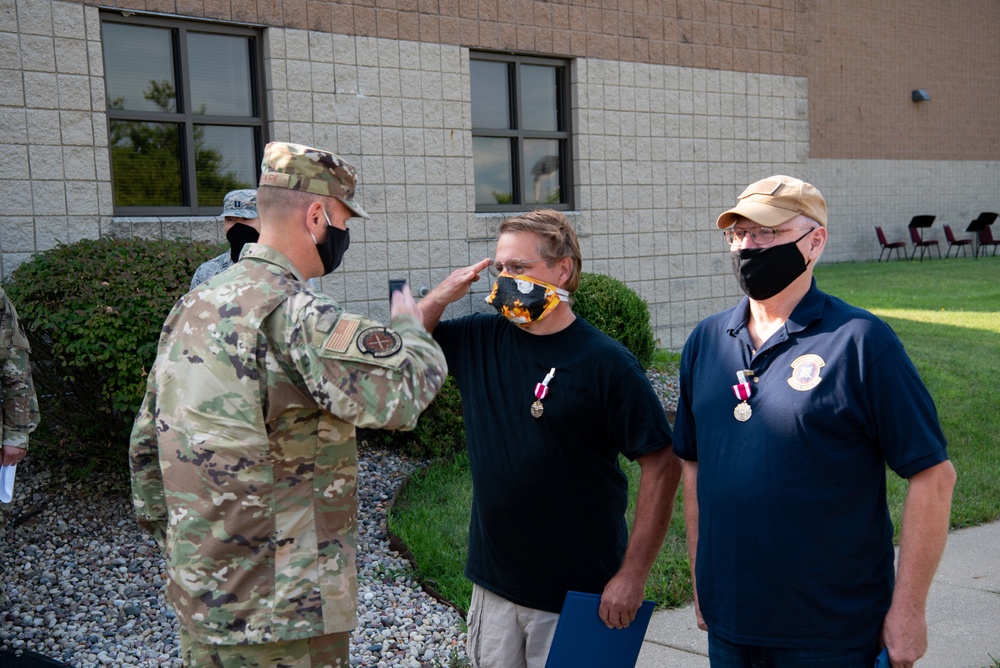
[[920, 95]]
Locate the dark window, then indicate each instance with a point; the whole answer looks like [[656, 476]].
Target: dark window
[[185, 113], [520, 132]]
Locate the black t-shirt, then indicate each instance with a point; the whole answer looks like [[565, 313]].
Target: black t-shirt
[[549, 497]]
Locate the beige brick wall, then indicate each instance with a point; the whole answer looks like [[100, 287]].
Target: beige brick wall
[[52, 130], [676, 107], [400, 111], [659, 151]]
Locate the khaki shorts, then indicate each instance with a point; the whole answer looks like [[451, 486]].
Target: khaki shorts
[[326, 651], [506, 635]]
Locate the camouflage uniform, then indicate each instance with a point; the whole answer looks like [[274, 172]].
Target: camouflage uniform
[[210, 268], [20, 405], [243, 455]]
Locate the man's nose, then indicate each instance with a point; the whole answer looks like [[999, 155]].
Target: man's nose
[[747, 240]]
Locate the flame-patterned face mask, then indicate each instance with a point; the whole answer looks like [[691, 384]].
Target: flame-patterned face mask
[[524, 300]]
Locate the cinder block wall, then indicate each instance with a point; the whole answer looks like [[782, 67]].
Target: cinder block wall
[[676, 107], [52, 129]]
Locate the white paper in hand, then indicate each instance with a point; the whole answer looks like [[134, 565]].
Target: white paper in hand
[[7, 482]]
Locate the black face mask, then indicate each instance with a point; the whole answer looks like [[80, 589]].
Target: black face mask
[[239, 235], [331, 250], [764, 272]]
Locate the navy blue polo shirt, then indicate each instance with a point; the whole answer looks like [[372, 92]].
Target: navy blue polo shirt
[[794, 536], [549, 498]]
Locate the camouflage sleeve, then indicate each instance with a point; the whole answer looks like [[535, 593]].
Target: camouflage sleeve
[[20, 404], [367, 374], [210, 268], [144, 463]]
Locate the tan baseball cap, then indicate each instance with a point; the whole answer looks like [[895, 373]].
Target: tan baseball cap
[[313, 170], [775, 200]]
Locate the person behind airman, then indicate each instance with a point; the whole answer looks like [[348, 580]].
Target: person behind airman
[[241, 227]]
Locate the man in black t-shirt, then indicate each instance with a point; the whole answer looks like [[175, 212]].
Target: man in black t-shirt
[[549, 403]]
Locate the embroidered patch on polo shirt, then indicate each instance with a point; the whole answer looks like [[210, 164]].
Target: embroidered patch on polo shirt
[[805, 372]]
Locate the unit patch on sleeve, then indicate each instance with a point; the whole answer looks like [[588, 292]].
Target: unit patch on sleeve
[[379, 342]]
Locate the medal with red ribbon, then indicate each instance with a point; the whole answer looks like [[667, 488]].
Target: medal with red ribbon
[[541, 391], [742, 390]]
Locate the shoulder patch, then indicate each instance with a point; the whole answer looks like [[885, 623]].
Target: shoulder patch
[[379, 342], [343, 333]]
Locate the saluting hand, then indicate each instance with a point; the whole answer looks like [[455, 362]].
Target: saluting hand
[[451, 289], [459, 282]]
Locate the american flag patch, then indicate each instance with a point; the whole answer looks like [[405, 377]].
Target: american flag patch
[[342, 335]]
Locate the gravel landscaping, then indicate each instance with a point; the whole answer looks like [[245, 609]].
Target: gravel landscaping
[[83, 582]]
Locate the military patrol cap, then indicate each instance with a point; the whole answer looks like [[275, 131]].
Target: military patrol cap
[[240, 204], [775, 200], [312, 170]]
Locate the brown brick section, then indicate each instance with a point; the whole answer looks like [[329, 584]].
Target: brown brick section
[[862, 58], [865, 59], [750, 36]]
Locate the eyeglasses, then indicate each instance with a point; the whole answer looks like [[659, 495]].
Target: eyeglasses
[[762, 236], [514, 266]]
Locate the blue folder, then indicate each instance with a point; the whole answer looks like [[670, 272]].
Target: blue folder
[[582, 640]]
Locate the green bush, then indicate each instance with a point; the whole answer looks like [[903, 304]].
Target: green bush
[[618, 311], [93, 311]]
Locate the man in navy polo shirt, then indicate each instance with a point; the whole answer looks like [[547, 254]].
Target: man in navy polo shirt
[[792, 404]]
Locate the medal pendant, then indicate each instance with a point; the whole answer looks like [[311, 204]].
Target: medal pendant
[[537, 409], [742, 412]]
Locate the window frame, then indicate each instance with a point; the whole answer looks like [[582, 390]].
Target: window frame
[[519, 135], [184, 116]]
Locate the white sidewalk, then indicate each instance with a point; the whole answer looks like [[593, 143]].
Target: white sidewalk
[[963, 612]]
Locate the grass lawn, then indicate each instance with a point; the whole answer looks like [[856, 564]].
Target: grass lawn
[[947, 313]]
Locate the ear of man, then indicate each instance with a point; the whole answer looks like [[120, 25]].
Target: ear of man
[[817, 242]]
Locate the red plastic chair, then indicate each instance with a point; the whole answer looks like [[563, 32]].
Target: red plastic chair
[[955, 243], [898, 246], [923, 245], [986, 239]]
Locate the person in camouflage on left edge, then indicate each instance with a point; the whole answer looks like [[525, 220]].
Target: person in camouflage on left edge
[[20, 405], [243, 454]]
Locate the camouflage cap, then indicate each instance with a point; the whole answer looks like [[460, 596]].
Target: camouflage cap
[[240, 204], [313, 170]]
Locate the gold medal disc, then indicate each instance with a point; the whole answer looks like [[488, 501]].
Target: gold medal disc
[[536, 409], [742, 412]]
